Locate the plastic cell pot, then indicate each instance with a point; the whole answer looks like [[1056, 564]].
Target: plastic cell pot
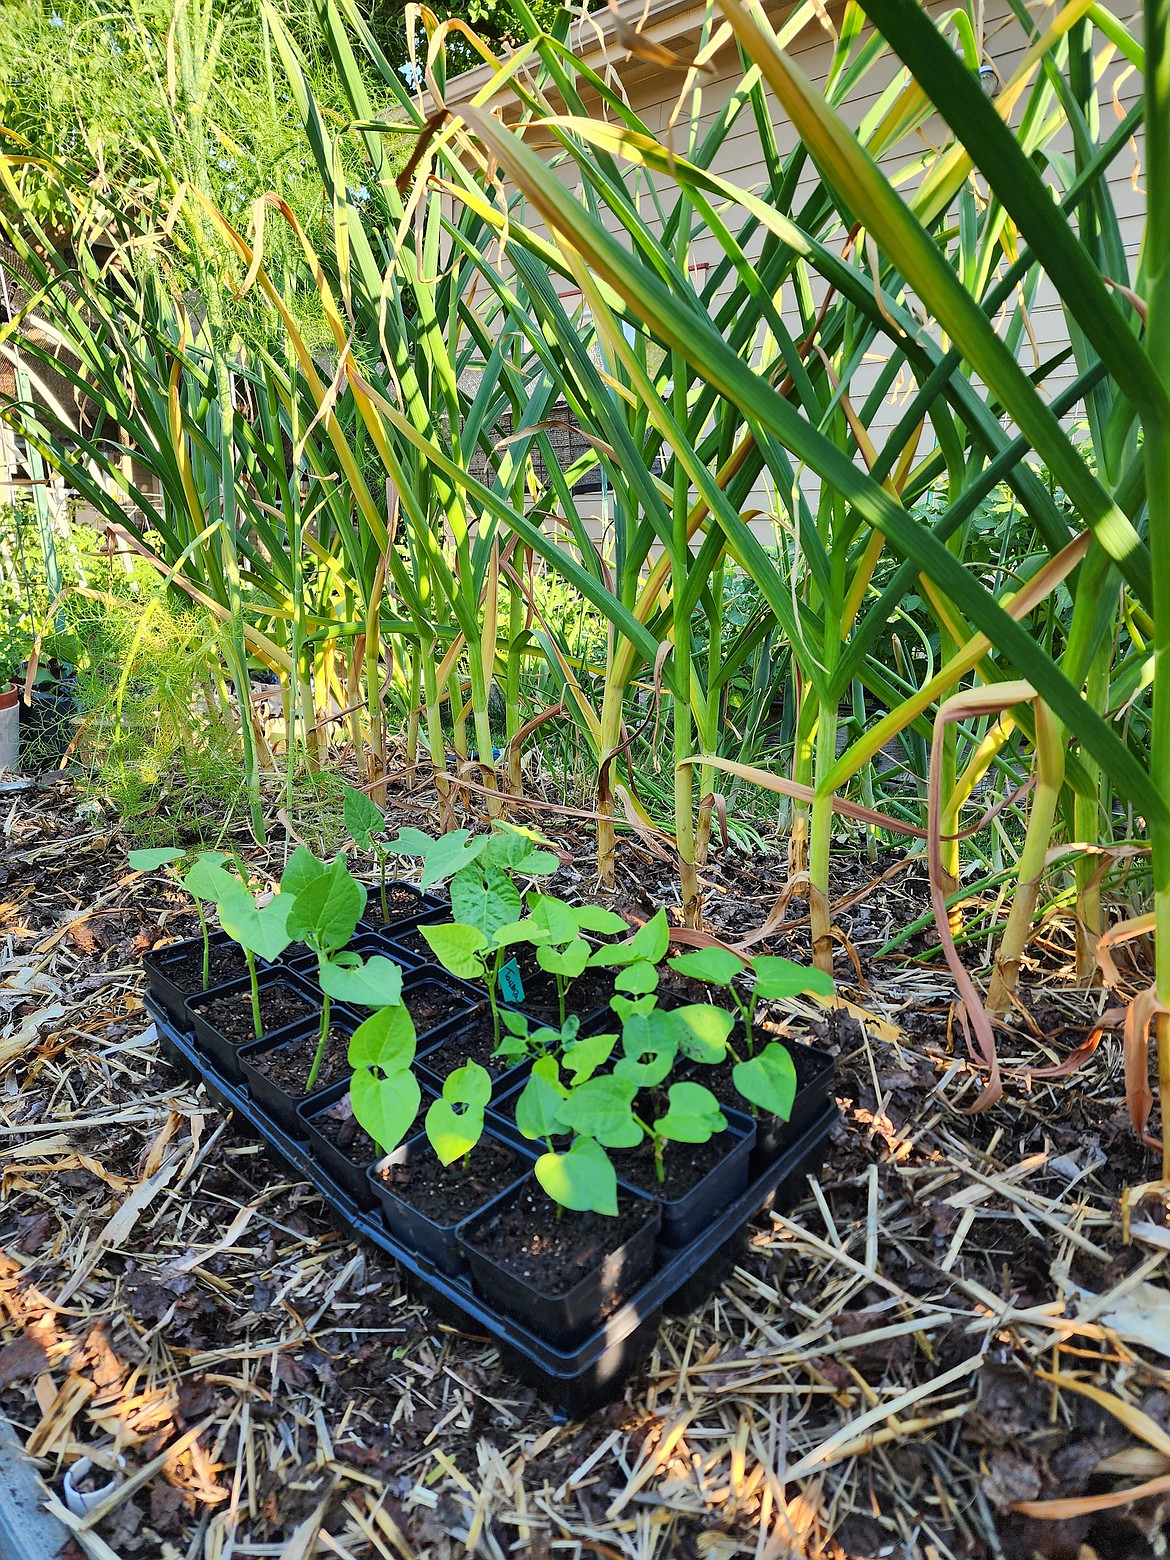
[[283, 1104], [422, 907], [46, 729], [165, 976], [344, 1149], [685, 1217], [565, 1314], [443, 1051], [814, 1071], [497, 1165], [223, 1048]]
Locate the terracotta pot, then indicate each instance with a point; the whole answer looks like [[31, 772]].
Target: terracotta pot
[[10, 726]]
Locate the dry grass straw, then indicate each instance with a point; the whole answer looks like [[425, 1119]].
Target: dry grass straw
[[888, 1369]]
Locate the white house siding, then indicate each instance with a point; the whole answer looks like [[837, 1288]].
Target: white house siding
[[654, 95]]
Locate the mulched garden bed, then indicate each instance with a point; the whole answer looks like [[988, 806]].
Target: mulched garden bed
[[893, 1368]]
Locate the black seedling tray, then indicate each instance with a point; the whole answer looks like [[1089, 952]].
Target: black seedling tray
[[593, 1370]]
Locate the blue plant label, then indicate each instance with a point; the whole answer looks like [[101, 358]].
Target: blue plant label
[[511, 985]]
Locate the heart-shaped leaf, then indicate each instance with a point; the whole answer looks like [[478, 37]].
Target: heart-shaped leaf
[[550, 920], [443, 857], [540, 1100], [693, 1115], [649, 942], [650, 1043], [601, 1109], [716, 966], [363, 817], [151, 860], [486, 899], [768, 1080], [301, 869], [376, 983], [592, 918], [261, 932], [469, 1085], [582, 1179], [625, 1007], [637, 979], [702, 1031], [327, 910], [567, 962], [537, 863], [413, 842], [453, 1133], [584, 1057], [207, 879], [385, 1106], [457, 948], [778, 979], [385, 1040]]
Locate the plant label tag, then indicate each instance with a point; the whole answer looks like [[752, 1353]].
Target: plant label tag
[[511, 985]]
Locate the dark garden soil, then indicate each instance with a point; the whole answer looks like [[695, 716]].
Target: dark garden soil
[[339, 1126], [684, 1164], [288, 1065], [414, 942], [401, 901], [894, 1368], [430, 1004], [587, 994], [223, 964], [553, 1253], [473, 1040], [280, 1004], [448, 1193]]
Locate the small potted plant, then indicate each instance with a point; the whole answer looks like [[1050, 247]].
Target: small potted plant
[[365, 1116], [229, 1016], [565, 1246], [670, 1139], [764, 1076], [400, 904], [485, 900], [434, 1181], [326, 906], [347, 1122], [179, 970]]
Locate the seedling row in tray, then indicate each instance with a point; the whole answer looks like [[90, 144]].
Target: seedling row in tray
[[554, 1151]]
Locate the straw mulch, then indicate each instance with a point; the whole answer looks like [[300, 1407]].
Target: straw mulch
[[956, 1345]]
